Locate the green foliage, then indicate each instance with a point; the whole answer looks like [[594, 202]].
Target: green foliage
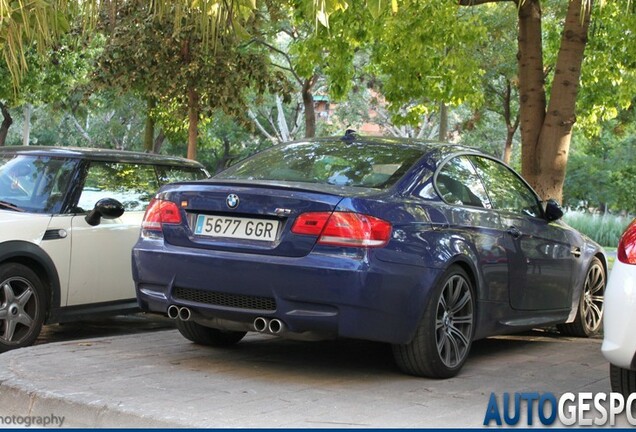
[[54, 73], [609, 69], [158, 59], [601, 171], [604, 229], [103, 120]]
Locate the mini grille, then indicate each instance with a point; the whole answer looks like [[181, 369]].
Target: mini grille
[[224, 299]]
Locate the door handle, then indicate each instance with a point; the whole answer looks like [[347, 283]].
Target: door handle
[[514, 232]]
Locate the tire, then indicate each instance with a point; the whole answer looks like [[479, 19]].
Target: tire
[[23, 301], [589, 316], [208, 336], [444, 335], [622, 380]]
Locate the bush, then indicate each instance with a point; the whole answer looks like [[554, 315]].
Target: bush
[[605, 229]]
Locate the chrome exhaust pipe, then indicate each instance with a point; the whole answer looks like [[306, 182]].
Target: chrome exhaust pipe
[[173, 312], [185, 314], [276, 326], [260, 324]]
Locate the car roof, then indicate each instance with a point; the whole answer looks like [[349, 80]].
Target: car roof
[[437, 149], [100, 155]]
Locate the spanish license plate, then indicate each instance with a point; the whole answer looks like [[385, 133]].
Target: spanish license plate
[[236, 227]]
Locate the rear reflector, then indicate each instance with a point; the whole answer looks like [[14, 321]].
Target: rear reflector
[[626, 251], [160, 212], [344, 229]]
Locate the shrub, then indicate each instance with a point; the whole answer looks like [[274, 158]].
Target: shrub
[[605, 229]]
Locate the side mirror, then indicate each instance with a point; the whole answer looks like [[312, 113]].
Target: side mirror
[[553, 210], [107, 208]]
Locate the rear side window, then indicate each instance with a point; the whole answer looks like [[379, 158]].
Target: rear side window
[[171, 174], [131, 184], [458, 183], [506, 189], [335, 163]]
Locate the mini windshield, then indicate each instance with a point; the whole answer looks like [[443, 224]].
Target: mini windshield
[[329, 162], [36, 184]]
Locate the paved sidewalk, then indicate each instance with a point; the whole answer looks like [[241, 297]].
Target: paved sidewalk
[[161, 380]]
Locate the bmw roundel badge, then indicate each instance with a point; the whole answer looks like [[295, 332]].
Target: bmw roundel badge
[[232, 201]]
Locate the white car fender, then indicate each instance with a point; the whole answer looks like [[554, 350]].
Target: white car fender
[[619, 320]]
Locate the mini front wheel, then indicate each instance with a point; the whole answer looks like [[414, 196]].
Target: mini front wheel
[[22, 306]]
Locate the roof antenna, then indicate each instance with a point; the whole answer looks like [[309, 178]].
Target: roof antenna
[[350, 135]]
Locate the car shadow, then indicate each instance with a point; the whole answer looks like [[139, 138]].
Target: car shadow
[[102, 327], [354, 358]]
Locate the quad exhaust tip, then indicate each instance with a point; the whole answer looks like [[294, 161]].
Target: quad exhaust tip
[[273, 326], [182, 313], [260, 324]]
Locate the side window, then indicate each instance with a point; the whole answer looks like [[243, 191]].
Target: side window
[[506, 190], [458, 183], [133, 185], [171, 174]]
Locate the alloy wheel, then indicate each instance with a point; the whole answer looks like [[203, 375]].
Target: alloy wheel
[[454, 321], [18, 309], [593, 299]]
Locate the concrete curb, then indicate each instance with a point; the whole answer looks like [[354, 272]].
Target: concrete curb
[[160, 379]]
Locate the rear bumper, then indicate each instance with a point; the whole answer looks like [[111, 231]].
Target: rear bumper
[[619, 319], [351, 295]]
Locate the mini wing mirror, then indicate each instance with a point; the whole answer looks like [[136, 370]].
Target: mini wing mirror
[[107, 208], [553, 210]]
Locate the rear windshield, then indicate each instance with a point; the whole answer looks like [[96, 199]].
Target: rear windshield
[[334, 162]]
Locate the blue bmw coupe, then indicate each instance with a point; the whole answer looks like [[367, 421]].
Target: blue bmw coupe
[[425, 246]]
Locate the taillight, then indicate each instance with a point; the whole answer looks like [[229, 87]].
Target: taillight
[[344, 229], [310, 223], [160, 212], [626, 251]]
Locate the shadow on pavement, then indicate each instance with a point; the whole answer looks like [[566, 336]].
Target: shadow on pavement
[[112, 326]]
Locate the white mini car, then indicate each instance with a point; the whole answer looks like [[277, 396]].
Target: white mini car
[[68, 221], [619, 343]]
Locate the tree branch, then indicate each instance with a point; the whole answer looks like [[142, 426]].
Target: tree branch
[[260, 127]]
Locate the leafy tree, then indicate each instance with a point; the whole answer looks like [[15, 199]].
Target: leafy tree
[[547, 113], [51, 79], [601, 172], [172, 65]]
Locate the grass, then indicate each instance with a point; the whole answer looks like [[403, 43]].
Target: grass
[[604, 229]]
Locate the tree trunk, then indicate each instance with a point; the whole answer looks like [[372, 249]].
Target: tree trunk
[[225, 157], [310, 112], [26, 128], [545, 138], [7, 121], [156, 146], [193, 122], [149, 131], [511, 128], [531, 87], [443, 122], [554, 142], [507, 153], [281, 120]]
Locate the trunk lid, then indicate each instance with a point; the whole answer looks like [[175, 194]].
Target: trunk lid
[[245, 217]]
